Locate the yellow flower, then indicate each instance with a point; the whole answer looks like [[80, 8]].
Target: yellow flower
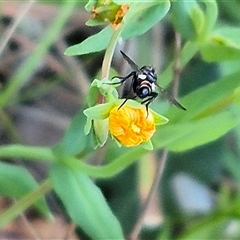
[[131, 126]]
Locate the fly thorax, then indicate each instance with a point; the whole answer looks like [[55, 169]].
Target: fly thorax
[[142, 76], [150, 73]]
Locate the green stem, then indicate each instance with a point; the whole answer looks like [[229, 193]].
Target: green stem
[[106, 171], [46, 154], [27, 152], [24, 203], [109, 51]]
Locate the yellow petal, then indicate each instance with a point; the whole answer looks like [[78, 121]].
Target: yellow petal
[[131, 126]]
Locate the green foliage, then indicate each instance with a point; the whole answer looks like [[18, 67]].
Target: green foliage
[[10, 176], [212, 112], [85, 203], [138, 20], [141, 17], [70, 147], [189, 134], [183, 15], [89, 45], [191, 21], [222, 45]]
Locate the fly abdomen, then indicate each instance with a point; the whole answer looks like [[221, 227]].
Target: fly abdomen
[[144, 89]]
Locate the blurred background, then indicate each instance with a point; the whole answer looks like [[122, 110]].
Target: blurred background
[[51, 88]]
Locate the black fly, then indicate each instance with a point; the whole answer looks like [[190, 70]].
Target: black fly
[[143, 82]]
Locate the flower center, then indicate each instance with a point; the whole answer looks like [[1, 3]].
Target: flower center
[[135, 128]]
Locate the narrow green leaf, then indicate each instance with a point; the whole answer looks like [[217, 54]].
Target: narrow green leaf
[[207, 99], [85, 203], [95, 43], [187, 135], [16, 182]]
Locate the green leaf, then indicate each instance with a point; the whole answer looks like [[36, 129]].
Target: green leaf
[[210, 18], [222, 45], [100, 111], [197, 17], [187, 135], [143, 16], [85, 203], [191, 21], [74, 140], [207, 99], [203, 121], [16, 182], [88, 126], [100, 128], [183, 14], [95, 43], [138, 20], [212, 227]]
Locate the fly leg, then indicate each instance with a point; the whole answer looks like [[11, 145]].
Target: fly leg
[[149, 99], [123, 79], [129, 96]]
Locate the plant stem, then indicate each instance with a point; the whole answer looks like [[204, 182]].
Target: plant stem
[[110, 50], [158, 174], [46, 154], [105, 171], [27, 152], [187, 53], [24, 203], [160, 164]]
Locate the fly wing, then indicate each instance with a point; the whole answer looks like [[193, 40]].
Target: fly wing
[[170, 98], [133, 65]]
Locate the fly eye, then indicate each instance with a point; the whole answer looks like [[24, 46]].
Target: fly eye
[[152, 77]]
